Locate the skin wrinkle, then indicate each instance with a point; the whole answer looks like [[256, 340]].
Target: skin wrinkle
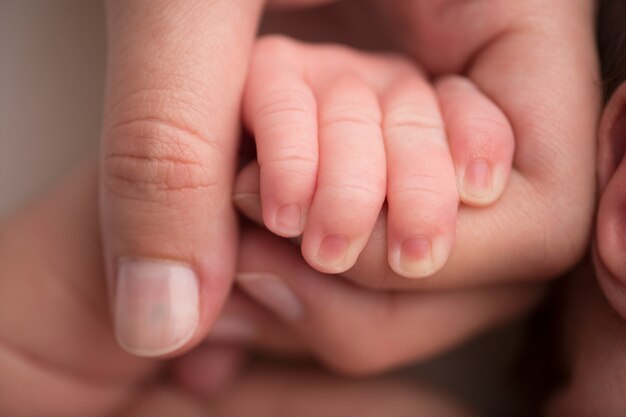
[[143, 99], [148, 173]]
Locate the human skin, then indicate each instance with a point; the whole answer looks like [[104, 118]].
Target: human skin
[[594, 327], [541, 225], [57, 343], [339, 132], [610, 244], [175, 75], [509, 249], [31, 251], [170, 133]]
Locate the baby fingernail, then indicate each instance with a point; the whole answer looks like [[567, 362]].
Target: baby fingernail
[[288, 220], [270, 291], [156, 306], [477, 180], [418, 258], [333, 251]]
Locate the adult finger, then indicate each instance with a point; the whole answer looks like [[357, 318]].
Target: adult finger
[[328, 314], [175, 74]]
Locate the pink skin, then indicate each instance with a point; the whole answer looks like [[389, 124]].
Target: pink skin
[[105, 377], [594, 316], [169, 142], [610, 245], [63, 346], [337, 131], [171, 122], [540, 225], [321, 315]]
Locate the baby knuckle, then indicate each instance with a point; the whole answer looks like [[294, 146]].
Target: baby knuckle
[[352, 117], [292, 159], [285, 106], [358, 192], [427, 190]]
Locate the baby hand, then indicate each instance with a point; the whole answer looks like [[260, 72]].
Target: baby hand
[[340, 132]]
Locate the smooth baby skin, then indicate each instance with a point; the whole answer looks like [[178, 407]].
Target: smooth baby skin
[[338, 132], [540, 226]]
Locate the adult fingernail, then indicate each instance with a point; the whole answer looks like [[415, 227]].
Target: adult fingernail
[[477, 180], [288, 220], [333, 252], [418, 258], [156, 306], [233, 328], [250, 205], [269, 290]]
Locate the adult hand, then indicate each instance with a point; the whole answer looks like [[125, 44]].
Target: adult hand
[[593, 318], [175, 75], [58, 355], [349, 328]]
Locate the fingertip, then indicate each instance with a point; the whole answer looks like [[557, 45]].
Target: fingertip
[[157, 306], [288, 220], [419, 257], [480, 183], [329, 254]]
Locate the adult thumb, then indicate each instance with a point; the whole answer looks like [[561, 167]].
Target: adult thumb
[[175, 75]]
